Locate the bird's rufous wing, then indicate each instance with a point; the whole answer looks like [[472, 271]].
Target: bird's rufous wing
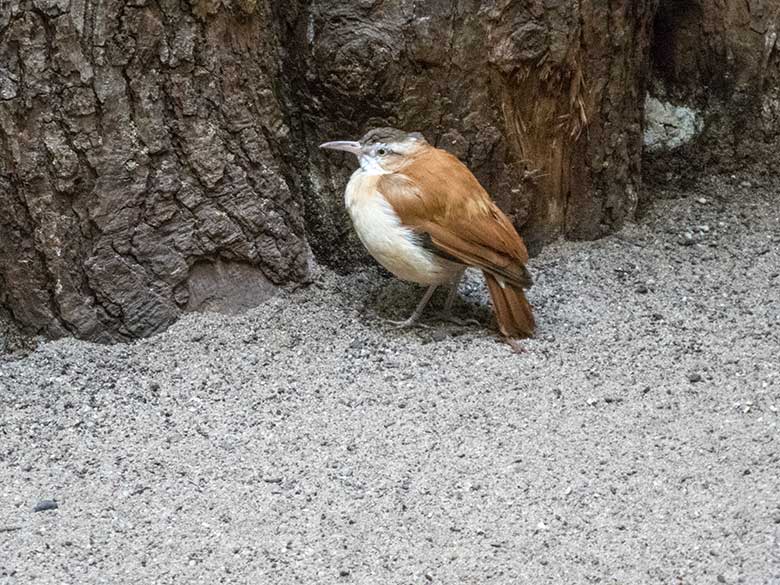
[[437, 195]]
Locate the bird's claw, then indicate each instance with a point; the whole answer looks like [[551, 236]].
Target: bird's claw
[[450, 318], [515, 344], [406, 323]]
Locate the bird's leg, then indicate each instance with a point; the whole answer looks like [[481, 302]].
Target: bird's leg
[[446, 314], [452, 295], [412, 320]]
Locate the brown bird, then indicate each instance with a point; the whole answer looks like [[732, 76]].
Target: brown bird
[[422, 215]]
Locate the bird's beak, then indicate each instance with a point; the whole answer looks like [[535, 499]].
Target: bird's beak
[[345, 145]]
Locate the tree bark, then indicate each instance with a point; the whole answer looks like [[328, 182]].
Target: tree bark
[[140, 161], [542, 100], [720, 61]]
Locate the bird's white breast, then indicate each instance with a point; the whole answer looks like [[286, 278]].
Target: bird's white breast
[[393, 245]]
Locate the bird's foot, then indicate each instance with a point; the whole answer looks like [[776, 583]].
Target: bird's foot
[[450, 318], [515, 344], [407, 323]]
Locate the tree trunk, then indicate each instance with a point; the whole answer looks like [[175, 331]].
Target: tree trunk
[[140, 165], [542, 100], [715, 88], [157, 157]]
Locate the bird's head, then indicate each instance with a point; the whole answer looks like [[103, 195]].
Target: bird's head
[[382, 150]]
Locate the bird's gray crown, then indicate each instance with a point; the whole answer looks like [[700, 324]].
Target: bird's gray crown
[[388, 136]]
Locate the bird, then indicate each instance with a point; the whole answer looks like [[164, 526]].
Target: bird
[[422, 214]]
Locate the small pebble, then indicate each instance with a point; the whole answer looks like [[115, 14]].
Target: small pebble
[[343, 573], [686, 239], [641, 289], [694, 377], [44, 505], [701, 200]]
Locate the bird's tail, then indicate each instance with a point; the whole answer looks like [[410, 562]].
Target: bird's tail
[[513, 311]]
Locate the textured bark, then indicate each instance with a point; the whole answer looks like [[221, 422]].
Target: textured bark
[[722, 60], [139, 139], [153, 154], [543, 100]]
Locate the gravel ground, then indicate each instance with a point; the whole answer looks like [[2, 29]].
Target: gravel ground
[[635, 440]]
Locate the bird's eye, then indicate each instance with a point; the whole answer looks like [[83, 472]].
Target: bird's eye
[[381, 152]]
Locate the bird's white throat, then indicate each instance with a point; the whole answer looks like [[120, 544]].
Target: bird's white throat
[[370, 165]]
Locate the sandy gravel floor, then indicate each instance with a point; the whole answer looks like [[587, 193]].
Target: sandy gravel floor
[[635, 441]]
